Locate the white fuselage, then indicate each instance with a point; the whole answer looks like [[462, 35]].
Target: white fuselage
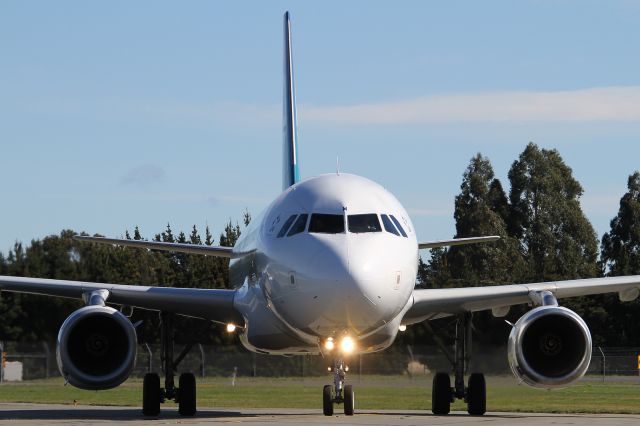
[[329, 259]]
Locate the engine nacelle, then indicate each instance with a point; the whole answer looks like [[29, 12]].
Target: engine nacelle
[[549, 347], [97, 348]]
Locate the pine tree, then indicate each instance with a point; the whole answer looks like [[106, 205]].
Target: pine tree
[[208, 237], [136, 234], [231, 234], [194, 238]]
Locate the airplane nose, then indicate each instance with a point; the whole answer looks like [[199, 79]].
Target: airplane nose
[[349, 287], [342, 287], [374, 280]]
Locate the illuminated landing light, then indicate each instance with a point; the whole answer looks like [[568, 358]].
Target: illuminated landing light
[[329, 344], [402, 327], [231, 328], [347, 345]]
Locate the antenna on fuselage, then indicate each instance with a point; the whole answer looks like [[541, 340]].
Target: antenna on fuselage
[[338, 165]]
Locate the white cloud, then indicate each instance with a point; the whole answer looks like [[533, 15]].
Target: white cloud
[[616, 103], [595, 104]]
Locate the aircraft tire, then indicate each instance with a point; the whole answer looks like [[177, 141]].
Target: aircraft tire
[[349, 400], [477, 395], [187, 394], [151, 394], [327, 400], [441, 394]]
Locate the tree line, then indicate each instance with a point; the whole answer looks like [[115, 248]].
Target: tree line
[[545, 236], [28, 317]]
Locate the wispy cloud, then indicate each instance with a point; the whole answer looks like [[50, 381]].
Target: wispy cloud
[[615, 103], [146, 174], [595, 104]]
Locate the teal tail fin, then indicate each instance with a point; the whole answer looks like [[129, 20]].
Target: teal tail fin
[[290, 169]]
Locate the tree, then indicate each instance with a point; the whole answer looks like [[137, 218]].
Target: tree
[[230, 235], [479, 211], [620, 253], [558, 241]]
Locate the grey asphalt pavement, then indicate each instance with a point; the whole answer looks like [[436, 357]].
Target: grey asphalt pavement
[[38, 414]]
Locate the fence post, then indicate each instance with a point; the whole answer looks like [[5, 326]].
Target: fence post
[[201, 360], [604, 364], [2, 362], [254, 364], [47, 353]]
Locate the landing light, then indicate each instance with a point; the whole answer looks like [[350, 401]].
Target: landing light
[[402, 327], [231, 328], [347, 345], [329, 344]]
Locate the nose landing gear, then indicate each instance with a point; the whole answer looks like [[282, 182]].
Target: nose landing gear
[[338, 393]]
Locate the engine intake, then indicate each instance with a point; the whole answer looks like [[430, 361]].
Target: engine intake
[[549, 347], [97, 348]]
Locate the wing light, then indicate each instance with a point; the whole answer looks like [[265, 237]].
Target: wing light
[[231, 328]]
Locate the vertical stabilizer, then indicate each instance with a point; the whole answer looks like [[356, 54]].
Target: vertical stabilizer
[[290, 170]]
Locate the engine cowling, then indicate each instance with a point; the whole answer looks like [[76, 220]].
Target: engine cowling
[[97, 348], [549, 347]]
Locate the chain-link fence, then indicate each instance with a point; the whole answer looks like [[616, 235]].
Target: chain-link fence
[[37, 360]]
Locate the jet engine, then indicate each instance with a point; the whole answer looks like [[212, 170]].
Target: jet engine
[[96, 348], [549, 347]]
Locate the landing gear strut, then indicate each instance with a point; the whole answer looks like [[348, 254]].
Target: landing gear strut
[[185, 394], [338, 393], [475, 394]]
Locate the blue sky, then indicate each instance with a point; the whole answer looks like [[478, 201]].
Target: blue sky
[[117, 114]]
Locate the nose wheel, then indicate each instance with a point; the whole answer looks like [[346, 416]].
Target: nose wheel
[[338, 393]]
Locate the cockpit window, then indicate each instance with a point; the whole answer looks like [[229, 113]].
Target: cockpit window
[[299, 226], [393, 218], [359, 223], [326, 223], [388, 225], [286, 225]]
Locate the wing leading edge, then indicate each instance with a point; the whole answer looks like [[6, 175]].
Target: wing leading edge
[[429, 304], [457, 242], [210, 304], [218, 251]]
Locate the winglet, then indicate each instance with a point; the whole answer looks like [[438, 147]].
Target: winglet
[[290, 171]]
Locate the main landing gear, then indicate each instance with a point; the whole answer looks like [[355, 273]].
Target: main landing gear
[[475, 393], [338, 393], [185, 393]]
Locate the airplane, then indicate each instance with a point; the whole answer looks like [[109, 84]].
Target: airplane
[[328, 268]]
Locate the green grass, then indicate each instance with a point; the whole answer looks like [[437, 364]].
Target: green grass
[[373, 392]]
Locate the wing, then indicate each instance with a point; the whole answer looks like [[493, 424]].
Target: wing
[[211, 304], [457, 242], [436, 303], [218, 251]]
